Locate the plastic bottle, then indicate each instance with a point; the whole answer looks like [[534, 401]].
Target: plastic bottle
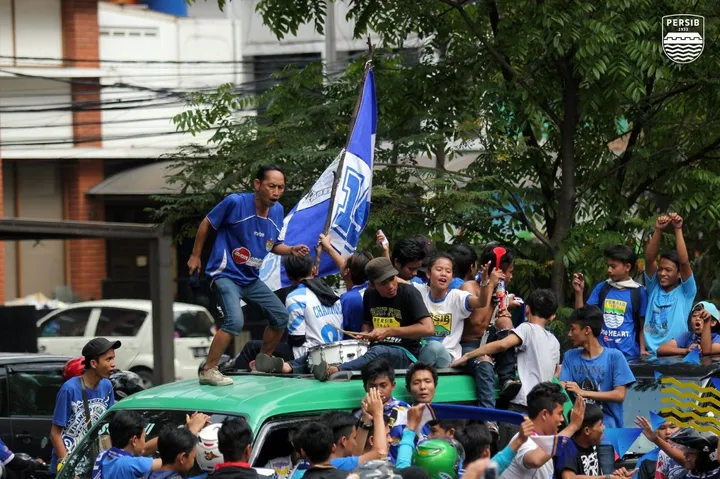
[[500, 293]]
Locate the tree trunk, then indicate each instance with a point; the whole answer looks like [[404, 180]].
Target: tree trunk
[[566, 196], [557, 280]]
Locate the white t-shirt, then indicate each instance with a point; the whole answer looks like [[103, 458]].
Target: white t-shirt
[[538, 355], [319, 323], [517, 469], [448, 315]]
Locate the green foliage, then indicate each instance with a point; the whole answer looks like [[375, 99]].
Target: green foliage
[[537, 89]]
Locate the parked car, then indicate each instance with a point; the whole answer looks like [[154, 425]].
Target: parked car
[[29, 384], [65, 331]]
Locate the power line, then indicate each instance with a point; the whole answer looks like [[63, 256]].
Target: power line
[[313, 57], [85, 123]]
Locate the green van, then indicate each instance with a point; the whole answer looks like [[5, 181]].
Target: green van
[[273, 405]]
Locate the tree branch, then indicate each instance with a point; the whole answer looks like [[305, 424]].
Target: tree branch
[[672, 168], [525, 220], [503, 64]]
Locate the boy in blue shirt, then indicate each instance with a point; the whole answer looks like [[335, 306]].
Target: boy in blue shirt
[[350, 441], [91, 392], [703, 333], [248, 227], [622, 300], [124, 460], [177, 448], [598, 374], [670, 284]]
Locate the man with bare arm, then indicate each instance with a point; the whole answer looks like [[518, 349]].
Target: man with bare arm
[[248, 228]]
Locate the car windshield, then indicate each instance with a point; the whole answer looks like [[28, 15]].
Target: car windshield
[[80, 463], [193, 324]]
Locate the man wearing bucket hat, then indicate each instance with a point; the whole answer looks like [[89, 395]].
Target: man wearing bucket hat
[[83, 399], [394, 320], [703, 332]]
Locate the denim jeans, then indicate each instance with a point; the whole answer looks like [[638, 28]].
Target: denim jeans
[[482, 372], [253, 348], [506, 361], [397, 357], [435, 354], [229, 294], [300, 365]]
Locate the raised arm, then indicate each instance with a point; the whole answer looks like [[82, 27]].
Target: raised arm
[[706, 344], [682, 252], [481, 316], [327, 247], [578, 285], [653, 247]]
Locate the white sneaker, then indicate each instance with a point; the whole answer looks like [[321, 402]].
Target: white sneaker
[[213, 377]]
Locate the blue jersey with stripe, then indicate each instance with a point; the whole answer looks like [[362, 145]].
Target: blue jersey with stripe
[[243, 238]]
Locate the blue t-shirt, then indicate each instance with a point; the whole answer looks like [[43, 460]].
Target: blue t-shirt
[[455, 283], [243, 238], [70, 413], [667, 313], [6, 455], [345, 463], [120, 464], [352, 307], [618, 330], [689, 337], [165, 475], [603, 373]]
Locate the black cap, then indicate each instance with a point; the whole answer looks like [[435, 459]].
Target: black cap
[[379, 269], [99, 346]]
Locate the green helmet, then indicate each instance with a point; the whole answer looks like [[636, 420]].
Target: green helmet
[[441, 458]]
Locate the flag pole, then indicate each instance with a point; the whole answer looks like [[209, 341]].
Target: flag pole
[[338, 172]]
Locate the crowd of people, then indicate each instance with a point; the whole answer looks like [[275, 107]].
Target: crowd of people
[[416, 309]]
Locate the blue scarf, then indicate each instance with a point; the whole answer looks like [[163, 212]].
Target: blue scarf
[[110, 454]]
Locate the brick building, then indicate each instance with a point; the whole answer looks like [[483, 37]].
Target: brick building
[[88, 89]]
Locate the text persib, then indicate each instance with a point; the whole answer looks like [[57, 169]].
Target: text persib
[[682, 22]]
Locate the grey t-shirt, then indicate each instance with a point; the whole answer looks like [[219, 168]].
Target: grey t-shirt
[[537, 358]]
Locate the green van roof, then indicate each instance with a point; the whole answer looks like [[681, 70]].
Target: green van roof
[[261, 396]]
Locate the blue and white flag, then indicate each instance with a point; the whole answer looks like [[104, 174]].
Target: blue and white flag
[[351, 207]]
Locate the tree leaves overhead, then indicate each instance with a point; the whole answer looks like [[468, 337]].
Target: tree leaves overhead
[[537, 90]]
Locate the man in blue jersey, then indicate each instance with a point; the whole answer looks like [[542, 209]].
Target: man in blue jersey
[[248, 227]]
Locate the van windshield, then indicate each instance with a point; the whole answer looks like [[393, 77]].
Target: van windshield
[[80, 463]]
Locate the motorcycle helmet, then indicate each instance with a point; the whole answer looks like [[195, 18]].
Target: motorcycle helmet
[[208, 453], [441, 458], [73, 368], [125, 383], [704, 444]]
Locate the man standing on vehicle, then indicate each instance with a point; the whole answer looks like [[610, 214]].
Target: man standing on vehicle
[[83, 399], [248, 228]]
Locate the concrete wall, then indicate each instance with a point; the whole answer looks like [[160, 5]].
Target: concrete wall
[[32, 189], [30, 28]]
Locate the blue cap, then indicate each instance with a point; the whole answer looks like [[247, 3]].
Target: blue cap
[[710, 308]]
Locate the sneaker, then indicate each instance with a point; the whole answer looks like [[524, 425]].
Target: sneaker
[[213, 377], [493, 428], [510, 390], [268, 364], [320, 371]]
